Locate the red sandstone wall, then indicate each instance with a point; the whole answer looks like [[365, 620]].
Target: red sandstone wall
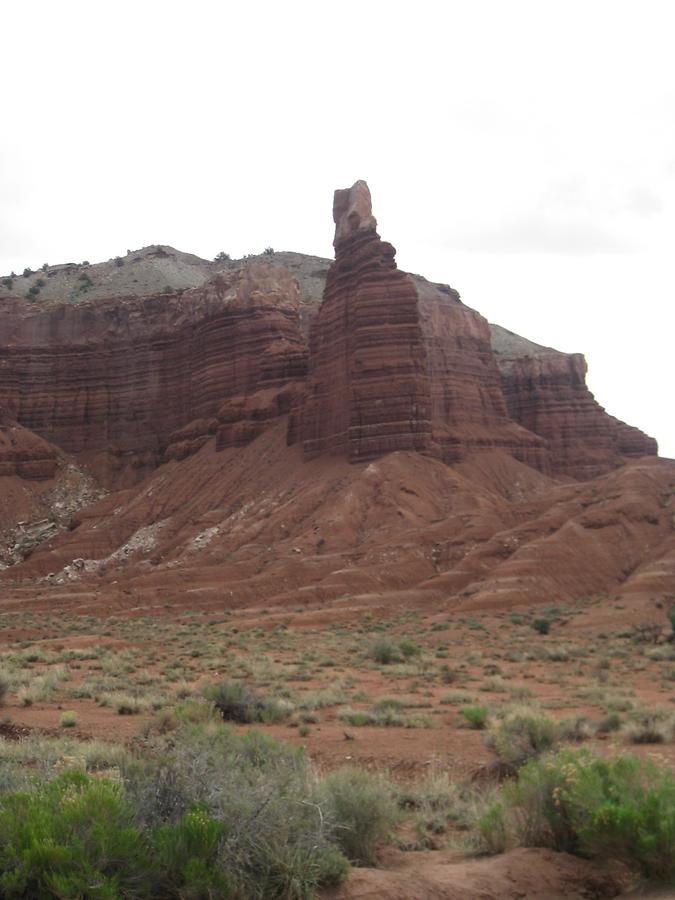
[[120, 376], [547, 394]]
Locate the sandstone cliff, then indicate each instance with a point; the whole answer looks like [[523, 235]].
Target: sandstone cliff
[[546, 392], [114, 380], [406, 449], [23, 453], [398, 363], [395, 363]]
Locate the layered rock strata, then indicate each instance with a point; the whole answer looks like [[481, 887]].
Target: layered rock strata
[[368, 390], [397, 363], [546, 392], [119, 378], [23, 453]]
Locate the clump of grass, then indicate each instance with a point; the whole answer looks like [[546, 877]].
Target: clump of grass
[[321, 699], [386, 651], [385, 713], [576, 728], [609, 723], [476, 716], [648, 727], [365, 809], [68, 719], [442, 810], [236, 702], [125, 704], [523, 735]]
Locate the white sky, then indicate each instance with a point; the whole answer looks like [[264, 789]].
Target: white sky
[[524, 152]]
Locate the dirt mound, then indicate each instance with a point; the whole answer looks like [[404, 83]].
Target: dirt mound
[[519, 875]]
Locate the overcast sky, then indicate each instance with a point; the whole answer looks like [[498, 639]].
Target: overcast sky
[[524, 152]]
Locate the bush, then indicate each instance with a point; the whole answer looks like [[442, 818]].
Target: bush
[[276, 842], [208, 813], [75, 837], [363, 811], [521, 736], [648, 727], [476, 716], [611, 722], [236, 702], [542, 626], [187, 858], [222, 257], [409, 648], [621, 808], [384, 651], [68, 719]]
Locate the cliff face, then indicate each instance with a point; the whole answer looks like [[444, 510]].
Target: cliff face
[[116, 379], [368, 390], [468, 408], [24, 454], [395, 364], [546, 393]]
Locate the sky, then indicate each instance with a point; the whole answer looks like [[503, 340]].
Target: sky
[[523, 152]]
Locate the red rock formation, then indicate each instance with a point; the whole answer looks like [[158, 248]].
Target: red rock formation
[[468, 408], [546, 392], [23, 453], [397, 363], [119, 378], [368, 390]]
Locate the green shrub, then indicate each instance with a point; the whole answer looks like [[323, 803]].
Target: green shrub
[[74, 837], [409, 648], [625, 809], [236, 702], [611, 722], [384, 651], [277, 841], [363, 811], [187, 859], [476, 716], [648, 727], [541, 626], [68, 719], [622, 808], [521, 736]]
